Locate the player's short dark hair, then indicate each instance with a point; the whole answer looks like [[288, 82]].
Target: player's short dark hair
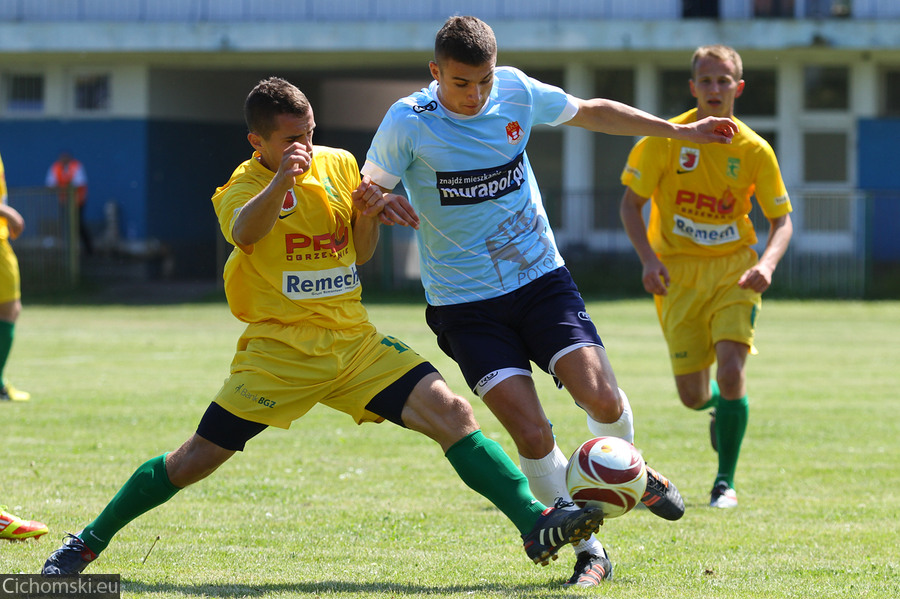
[[270, 98], [467, 40]]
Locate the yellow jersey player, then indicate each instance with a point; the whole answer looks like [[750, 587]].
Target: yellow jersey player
[[13, 528], [11, 226], [696, 251], [301, 219]]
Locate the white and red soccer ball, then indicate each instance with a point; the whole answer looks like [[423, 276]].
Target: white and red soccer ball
[[607, 473]]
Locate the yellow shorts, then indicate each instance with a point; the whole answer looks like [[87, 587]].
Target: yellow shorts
[[280, 372], [704, 305], [10, 286]]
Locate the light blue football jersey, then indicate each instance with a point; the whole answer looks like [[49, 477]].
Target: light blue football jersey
[[483, 228]]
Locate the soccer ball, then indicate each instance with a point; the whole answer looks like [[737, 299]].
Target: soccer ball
[[607, 473]]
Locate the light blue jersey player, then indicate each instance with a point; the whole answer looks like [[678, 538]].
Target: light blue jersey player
[[483, 229], [499, 295]]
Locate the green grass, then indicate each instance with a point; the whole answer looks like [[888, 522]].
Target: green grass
[[330, 509]]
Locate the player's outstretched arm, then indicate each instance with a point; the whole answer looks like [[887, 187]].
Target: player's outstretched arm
[[616, 118]]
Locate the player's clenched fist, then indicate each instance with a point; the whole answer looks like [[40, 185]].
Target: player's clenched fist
[[295, 161], [391, 209], [368, 198]]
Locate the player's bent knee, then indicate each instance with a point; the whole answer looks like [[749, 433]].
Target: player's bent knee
[[603, 405], [535, 442], [435, 411], [196, 459]]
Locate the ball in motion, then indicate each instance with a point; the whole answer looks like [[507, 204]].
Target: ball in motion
[[607, 473]]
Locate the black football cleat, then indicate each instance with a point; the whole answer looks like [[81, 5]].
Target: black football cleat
[[560, 525], [661, 497]]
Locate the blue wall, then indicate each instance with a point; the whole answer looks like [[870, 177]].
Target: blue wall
[[114, 155], [879, 173], [186, 163], [161, 174]]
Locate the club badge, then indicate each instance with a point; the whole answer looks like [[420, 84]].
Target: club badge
[[513, 132]]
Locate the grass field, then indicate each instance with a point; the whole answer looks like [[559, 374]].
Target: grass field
[[330, 509]]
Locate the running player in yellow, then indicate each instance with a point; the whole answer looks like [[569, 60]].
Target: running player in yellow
[[11, 226], [13, 528], [696, 251], [301, 220]]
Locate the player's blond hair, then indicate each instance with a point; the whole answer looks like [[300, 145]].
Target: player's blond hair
[[719, 52], [468, 40], [272, 97]]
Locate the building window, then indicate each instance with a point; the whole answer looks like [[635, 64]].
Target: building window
[[545, 151], [92, 92], [611, 151], [24, 93], [758, 98], [773, 8], [891, 93], [675, 92], [827, 8], [826, 88], [825, 157], [704, 9], [770, 136]]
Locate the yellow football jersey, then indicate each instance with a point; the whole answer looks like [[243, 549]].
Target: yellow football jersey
[[4, 227], [701, 192], [304, 270]]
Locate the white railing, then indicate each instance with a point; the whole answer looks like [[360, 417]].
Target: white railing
[[422, 10]]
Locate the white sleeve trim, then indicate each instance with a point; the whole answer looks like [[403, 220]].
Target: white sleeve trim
[[568, 112], [380, 176]]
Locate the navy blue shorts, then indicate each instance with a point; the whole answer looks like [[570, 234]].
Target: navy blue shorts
[[497, 338]]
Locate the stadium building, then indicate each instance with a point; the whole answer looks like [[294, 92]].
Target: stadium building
[[148, 95]]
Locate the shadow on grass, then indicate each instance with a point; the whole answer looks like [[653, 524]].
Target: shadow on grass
[[328, 587], [150, 293]]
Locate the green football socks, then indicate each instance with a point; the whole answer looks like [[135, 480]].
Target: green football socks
[[731, 424], [6, 340], [486, 469], [715, 396], [147, 488], [481, 464]]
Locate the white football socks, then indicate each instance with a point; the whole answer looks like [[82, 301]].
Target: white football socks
[[622, 428], [547, 479]]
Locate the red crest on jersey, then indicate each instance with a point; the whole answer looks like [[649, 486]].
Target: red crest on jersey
[[290, 202], [513, 132], [689, 159]]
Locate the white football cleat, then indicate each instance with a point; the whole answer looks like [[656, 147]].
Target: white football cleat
[[723, 496]]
